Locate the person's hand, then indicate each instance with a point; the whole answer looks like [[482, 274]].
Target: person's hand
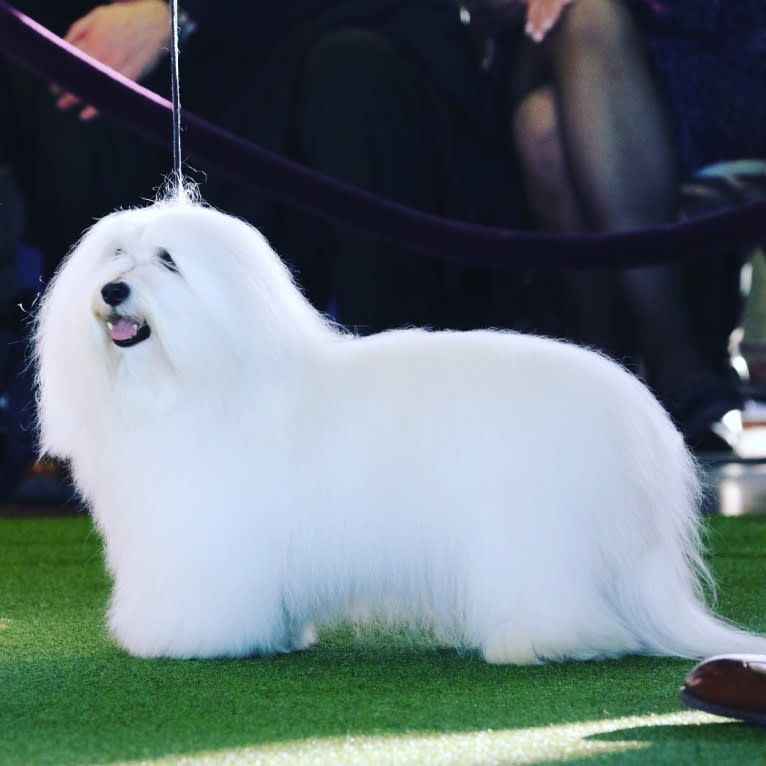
[[128, 36], [542, 15], [493, 16]]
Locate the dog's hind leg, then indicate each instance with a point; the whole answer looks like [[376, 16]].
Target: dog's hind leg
[[303, 638], [507, 645], [519, 642]]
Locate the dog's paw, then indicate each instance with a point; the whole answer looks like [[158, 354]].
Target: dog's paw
[[304, 639], [505, 648]]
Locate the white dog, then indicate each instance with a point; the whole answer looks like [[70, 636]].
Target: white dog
[[254, 471]]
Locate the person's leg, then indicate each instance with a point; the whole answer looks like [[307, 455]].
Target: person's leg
[[366, 117], [615, 131], [589, 302], [617, 171], [620, 154], [548, 186]]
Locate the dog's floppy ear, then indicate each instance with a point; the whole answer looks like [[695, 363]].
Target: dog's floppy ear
[[65, 340]]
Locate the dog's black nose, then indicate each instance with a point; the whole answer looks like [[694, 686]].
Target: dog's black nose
[[114, 293]]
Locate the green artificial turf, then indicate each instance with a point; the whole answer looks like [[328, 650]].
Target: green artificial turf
[[69, 696]]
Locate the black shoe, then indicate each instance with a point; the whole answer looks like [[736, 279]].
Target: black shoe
[[702, 411]]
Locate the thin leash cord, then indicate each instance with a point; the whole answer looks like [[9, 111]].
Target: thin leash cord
[[175, 96]]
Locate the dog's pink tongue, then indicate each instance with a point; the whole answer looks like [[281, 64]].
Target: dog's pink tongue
[[122, 329]]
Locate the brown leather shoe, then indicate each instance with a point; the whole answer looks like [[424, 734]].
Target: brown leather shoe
[[46, 483], [731, 685]]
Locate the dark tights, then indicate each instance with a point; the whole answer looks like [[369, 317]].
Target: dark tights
[[598, 155]]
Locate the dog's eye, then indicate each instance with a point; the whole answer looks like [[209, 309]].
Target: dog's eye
[[167, 261]]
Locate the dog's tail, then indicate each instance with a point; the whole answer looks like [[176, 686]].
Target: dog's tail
[[666, 606], [668, 614]]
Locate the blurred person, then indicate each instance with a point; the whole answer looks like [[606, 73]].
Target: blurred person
[[598, 151], [387, 94]]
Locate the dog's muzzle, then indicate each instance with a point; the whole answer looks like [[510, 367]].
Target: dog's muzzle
[[124, 329]]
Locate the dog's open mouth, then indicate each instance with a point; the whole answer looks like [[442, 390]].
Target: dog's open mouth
[[127, 331]]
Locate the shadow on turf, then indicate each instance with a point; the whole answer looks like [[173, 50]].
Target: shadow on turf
[[106, 707], [718, 732], [719, 742]]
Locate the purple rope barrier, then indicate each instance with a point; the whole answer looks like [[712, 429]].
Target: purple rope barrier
[[146, 113]]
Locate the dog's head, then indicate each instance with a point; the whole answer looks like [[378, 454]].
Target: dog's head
[[163, 299], [124, 327]]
